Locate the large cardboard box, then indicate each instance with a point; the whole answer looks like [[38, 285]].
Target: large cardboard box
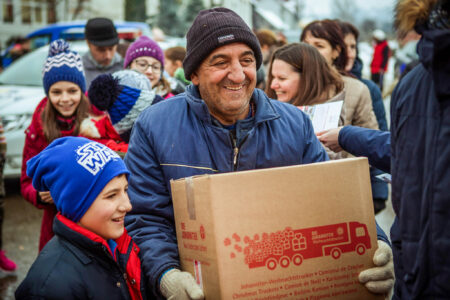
[[299, 232]]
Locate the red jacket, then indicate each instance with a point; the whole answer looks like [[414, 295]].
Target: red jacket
[[380, 58], [35, 142]]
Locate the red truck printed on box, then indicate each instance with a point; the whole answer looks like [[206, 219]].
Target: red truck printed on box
[[295, 245]]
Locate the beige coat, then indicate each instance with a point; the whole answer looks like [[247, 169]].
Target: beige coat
[[358, 104], [357, 110]]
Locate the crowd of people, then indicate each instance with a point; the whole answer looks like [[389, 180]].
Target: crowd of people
[[198, 110]]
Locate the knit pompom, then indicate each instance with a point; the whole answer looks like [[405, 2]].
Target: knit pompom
[[58, 46], [103, 91]]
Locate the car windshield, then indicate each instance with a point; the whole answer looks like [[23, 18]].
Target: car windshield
[[28, 69]]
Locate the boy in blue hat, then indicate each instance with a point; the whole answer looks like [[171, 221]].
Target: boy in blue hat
[[91, 255]]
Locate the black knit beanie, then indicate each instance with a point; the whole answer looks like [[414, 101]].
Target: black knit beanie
[[214, 28]]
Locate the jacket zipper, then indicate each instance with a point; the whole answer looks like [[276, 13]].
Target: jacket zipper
[[236, 150]]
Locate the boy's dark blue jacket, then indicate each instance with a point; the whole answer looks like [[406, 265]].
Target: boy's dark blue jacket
[[420, 137], [178, 138], [78, 264]]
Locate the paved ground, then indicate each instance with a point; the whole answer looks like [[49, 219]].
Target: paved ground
[[21, 229]]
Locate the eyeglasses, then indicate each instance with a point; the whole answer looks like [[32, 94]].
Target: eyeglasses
[[143, 66]]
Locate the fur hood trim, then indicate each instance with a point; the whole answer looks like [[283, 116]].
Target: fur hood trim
[[409, 13]]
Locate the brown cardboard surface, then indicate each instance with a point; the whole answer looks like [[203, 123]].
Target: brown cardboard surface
[[280, 233]]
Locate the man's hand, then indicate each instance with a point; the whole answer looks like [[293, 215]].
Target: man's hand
[[329, 138], [177, 285], [46, 197], [380, 279]]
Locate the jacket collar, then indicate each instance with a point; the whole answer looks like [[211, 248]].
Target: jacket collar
[[433, 49], [357, 68], [70, 230], [264, 109]]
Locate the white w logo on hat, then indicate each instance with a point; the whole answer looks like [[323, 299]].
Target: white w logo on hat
[[94, 156]]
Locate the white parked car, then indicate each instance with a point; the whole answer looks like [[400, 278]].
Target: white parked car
[[20, 92]]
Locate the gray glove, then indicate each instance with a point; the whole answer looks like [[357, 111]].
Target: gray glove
[[177, 285], [380, 279]]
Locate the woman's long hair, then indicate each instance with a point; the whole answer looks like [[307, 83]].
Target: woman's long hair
[[49, 116], [163, 84], [331, 31], [318, 81]]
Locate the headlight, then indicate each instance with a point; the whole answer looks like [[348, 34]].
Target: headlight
[[16, 122]]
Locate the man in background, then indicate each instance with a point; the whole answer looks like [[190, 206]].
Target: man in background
[[380, 57], [102, 57]]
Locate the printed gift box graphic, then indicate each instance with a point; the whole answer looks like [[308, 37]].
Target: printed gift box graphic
[[299, 232], [283, 247]]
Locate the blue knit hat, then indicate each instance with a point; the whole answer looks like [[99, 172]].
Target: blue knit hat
[[75, 170], [124, 94], [63, 65]]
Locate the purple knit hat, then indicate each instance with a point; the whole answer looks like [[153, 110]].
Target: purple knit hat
[[143, 46]]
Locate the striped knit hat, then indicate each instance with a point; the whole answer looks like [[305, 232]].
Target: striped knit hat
[[124, 94], [63, 65]]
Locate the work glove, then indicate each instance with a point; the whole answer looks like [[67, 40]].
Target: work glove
[[177, 285], [380, 279]]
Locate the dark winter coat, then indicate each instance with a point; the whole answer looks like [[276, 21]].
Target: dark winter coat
[[420, 137], [373, 144], [379, 188], [78, 264], [160, 150], [375, 95]]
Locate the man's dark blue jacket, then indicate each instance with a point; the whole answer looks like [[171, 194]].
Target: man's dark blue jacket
[[420, 137], [178, 138]]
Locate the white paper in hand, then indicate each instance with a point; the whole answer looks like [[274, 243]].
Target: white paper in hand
[[324, 116]]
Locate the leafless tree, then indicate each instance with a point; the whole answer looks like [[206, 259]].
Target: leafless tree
[[78, 9]]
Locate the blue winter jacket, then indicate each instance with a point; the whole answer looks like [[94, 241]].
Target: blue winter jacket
[[375, 94], [420, 137], [379, 188], [371, 143], [178, 138]]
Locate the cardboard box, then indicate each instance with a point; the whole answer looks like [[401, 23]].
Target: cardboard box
[[299, 232]]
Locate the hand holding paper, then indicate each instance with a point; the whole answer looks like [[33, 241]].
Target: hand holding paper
[[330, 139]]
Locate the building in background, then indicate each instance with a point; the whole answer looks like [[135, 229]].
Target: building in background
[[280, 15], [20, 17]]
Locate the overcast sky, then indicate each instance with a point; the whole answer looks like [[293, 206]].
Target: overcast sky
[[378, 9]]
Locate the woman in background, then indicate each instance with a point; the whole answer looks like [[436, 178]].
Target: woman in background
[[299, 75], [326, 36]]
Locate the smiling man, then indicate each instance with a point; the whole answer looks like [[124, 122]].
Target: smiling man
[[221, 124]]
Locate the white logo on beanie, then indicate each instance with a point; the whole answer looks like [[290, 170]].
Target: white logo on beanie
[[223, 39], [94, 156]]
